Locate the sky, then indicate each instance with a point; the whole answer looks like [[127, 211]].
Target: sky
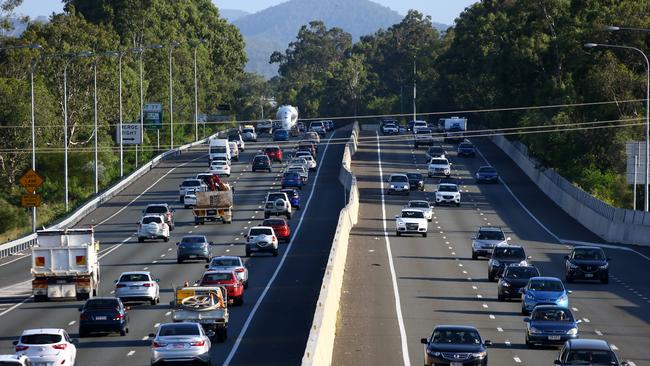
[[442, 11]]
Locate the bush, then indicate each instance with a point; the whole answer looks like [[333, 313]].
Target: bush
[[11, 217]]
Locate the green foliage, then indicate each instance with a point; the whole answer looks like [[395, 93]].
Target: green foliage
[[11, 216]]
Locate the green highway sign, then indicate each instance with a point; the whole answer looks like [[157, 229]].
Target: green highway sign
[[153, 115]]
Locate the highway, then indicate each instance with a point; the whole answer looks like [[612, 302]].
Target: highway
[[273, 324], [437, 282]]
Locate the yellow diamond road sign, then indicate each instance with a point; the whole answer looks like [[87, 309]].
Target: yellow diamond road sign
[[31, 180]]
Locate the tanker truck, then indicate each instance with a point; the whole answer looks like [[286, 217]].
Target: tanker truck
[[288, 116]]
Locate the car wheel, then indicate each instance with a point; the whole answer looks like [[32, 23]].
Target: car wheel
[[240, 300], [207, 260], [140, 240], [429, 220], [458, 204], [500, 298], [83, 333], [424, 235], [246, 285], [248, 253], [604, 280], [288, 216], [474, 256], [40, 298], [186, 206], [266, 215], [179, 261], [490, 277], [122, 332], [222, 334], [523, 310], [398, 233], [528, 344], [166, 239], [152, 302], [275, 252]]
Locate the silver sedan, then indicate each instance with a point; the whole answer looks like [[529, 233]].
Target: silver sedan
[[137, 286], [181, 342]]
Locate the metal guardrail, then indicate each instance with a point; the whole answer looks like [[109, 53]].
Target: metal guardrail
[[26, 242]]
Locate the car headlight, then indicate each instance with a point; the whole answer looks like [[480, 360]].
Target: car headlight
[[392, 186], [523, 263], [479, 355], [495, 262], [400, 223], [562, 298], [572, 265], [434, 354], [505, 283], [604, 266], [530, 296], [534, 330], [572, 331]]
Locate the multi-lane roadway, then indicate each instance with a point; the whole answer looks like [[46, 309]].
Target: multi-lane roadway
[[396, 289], [273, 324]]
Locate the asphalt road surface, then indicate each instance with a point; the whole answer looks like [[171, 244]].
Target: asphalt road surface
[[437, 282], [273, 324]]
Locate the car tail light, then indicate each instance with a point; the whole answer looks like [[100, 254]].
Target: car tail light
[[274, 239], [83, 317], [118, 317], [80, 260], [159, 345], [119, 285], [148, 285], [61, 346], [39, 261], [200, 343], [21, 348], [239, 270]]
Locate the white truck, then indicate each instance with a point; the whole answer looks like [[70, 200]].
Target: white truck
[[288, 116], [214, 205], [65, 264], [453, 123], [219, 148]]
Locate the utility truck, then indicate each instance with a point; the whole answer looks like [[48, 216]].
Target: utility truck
[[214, 204]]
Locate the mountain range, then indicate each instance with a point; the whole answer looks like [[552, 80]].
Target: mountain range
[[272, 29]]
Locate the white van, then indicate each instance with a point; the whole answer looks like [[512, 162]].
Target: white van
[[220, 147], [234, 150]]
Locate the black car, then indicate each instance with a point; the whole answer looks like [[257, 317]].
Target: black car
[[261, 162], [416, 181], [587, 263], [455, 345], [588, 352], [503, 256], [514, 278], [466, 149], [193, 247], [103, 314]]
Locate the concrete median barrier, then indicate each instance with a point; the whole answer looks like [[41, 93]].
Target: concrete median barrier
[[616, 225], [320, 343]]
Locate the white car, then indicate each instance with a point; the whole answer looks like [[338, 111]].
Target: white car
[[411, 221], [230, 263], [276, 204], [236, 137], [47, 346], [137, 286], [311, 162], [234, 151], [486, 238], [418, 125], [318, 127], [14, 360], [189, 200], [190, 186], [220, 168], [261, 239], [439, 167], [447, 193], [300, 169], [248, 134], [152, 226], [423, 206], [299, 161], [398, 183]]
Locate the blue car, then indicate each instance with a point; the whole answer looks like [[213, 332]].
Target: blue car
[[280, 135], [292, 180], [294, 197], [543, 291], [487, 174], [550, 325]]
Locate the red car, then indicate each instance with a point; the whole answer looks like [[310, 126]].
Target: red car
[[274, 153], [281, 228], [228, 279]]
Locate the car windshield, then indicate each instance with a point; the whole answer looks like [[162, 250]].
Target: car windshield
[[193, 239], [191, 183], [590, 357], [521, 272], [589, 254], [423, 131], [553, 315], [179, 329], [225, 262], [233, 138], [275, 196], [280, 133], [291, 175], [156, 209], [260, 231], [399, 178], [260, 159], [248, 130], [274, 222], [465, 146], [417, 176], [272, 149], [439, 162], [218, 163], [509, 253], [134, 277], [436, 150], [412, 214], [209, 278], [448, 188], [11, 363], [456, 336], [490, 235], [101, 304], [486, 170], [40, 339], [546, 285], [152, 219], [419, 204]]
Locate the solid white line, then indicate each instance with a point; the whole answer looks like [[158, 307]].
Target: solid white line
[[251, 315], [398, 306], [15, 306], [15, 260]]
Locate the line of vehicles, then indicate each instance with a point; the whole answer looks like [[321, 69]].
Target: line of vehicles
[[544, 300], [65, 263]]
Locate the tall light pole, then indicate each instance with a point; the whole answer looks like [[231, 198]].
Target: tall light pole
[[32, 69], [196, 94], [121, 138], [415, 88], [171, 95], [70, 57], [647, 114]]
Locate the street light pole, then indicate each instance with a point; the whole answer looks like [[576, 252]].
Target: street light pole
[[415, 88], [121, 54], [646, 207], [95, 126], [196, 101], [171, 96]]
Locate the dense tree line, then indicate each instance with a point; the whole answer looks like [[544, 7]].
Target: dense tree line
[[101, 26], [499, 54]]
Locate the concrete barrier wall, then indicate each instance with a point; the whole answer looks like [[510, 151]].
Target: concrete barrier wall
[[320, 344], [612, 224]]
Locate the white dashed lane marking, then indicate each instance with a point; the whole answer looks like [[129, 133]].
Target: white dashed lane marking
[[131, 353]]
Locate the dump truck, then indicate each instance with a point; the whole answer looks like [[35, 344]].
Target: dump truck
[[205, 305], [65, 264], [215, 204]]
